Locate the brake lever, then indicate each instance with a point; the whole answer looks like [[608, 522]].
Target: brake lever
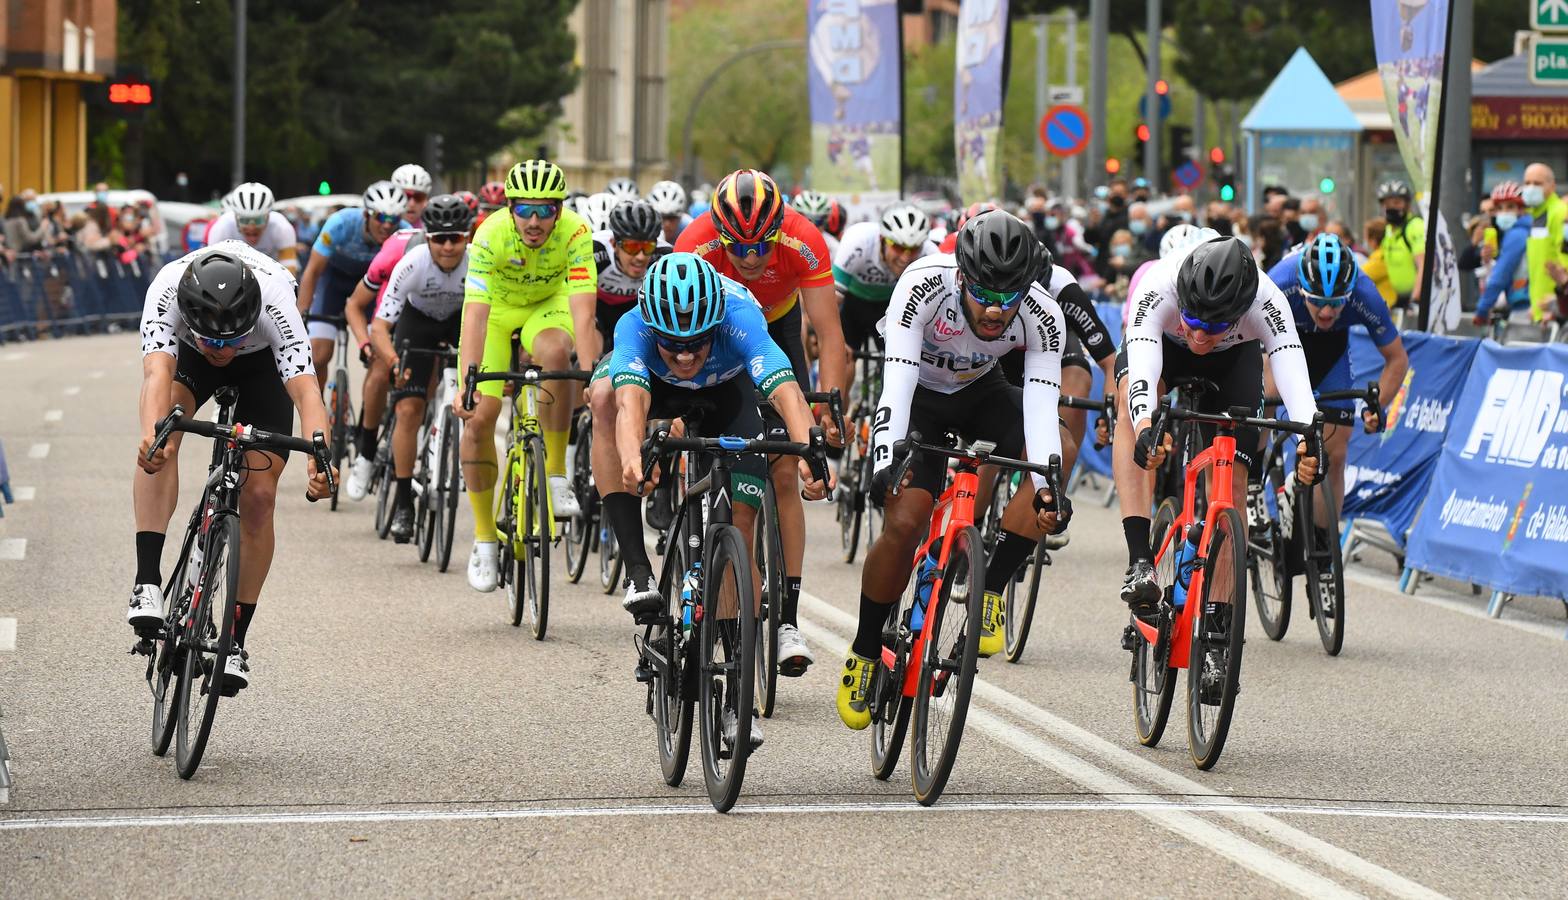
[[318, 443], [1375, 397], [471, 382], [817, 458], [652, 449], [165, 428]]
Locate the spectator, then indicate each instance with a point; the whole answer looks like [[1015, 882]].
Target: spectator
[[1126, 255], [129, 235], [1241, 229], [1311, 218], [1404, 243], [1140, 190], [92, 230], [25, 231], [1217, 216], [1376, 268], [1290, 221], [1269, 237], [1547, 212], [1181, 212], [1142, 227], [1508, 282], [1274, 201]]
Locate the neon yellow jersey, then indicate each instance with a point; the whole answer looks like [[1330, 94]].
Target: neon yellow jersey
[[505, 272]]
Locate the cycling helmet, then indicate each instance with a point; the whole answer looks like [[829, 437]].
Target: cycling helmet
[[469, 200], [1179, 237], [1503, 192], [905, 225], [635, 221], [385, 198], [1218, 281], [447, 212], [535, 179], [493, 194], [668, 198], [1326, 267], [1000, 253], [412, 177], [813, 206], [682, 296], [834, 224], [596, 209], [251, 200], [622, 189], [747, 206], [1393, 188], [974, 209], [219, 297]]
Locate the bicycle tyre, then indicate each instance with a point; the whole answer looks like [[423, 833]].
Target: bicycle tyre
[[1224, 576], [339, 411], [1330, 619], [851, 502], [538, 526], [511, 566], [579, 531], [931, 761], [166, 666], [1019, 614], [383, 478], [770, 552], [451, 488], [201, 683], [727, 566], [890, 708], [1267, 566], [609, 559], [424, 501], [674, 701], [1153, 678]]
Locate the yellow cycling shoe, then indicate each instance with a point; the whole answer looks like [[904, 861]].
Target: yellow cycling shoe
[[854, 688], [992, 614]]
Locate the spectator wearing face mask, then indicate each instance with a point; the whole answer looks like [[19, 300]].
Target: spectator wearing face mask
[[1404, 243], [1508, 282], [1290, 221], [1547, 212], [25, 229], [1269, 239], [1127, 253], [1141, 224], [1180, 213], [1217, 215], [1310, 219], [129, 237]]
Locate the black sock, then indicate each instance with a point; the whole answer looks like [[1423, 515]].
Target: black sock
[[367, 442], [405, 492], [868, 636], [624, 513], [149, 557], [790, 614], [243, 613], [1011, 550], [1137, 530]]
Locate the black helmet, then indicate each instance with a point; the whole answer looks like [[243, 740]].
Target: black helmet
[[635, 220], [1000, 253], [447, 212], [1394, 187], [219, 296], [1218, 281]]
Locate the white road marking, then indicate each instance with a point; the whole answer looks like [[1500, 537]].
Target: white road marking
[[96, 373], [73, 390], [13, 549], [7, 635], [54, 415], [24, 493], [38, 451], [14, 357], [1475, 607]]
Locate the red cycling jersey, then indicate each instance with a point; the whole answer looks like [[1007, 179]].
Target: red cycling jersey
[[799, 260]]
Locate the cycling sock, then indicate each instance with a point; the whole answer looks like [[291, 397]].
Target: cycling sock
[[790, 614], [149, 556], [367, 442], [243, 613], [483, 503], [555, 452], [1011, 550], [405, 492], [868, 635], [1137, 530], [624, 513]]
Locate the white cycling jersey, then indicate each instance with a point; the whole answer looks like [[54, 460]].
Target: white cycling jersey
[[616, 288], [1156, 316], [279, 328], [858, 267], [417, 281], [278, 235], [929, 343]]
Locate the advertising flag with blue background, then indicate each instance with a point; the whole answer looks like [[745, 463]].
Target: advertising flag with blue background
[[979, 88], [856, 90]]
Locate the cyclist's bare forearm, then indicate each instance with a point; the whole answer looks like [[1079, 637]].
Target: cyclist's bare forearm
[[1396, 362], [307, 282], [585, 332], [790, 403], [307, 400], [631, 419], [157, 377], [471, 342], [381, 338], [356, 311]]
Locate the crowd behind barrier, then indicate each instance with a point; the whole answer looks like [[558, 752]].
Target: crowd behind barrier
[[69, 292]]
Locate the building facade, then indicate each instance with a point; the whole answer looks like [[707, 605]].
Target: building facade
[[53, 56]]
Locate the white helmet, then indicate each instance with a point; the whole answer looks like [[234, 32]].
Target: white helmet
[[668, 198], [412, 177], [906, 226], [251, 200], [1182, 236], [622, 189], [385, 198], [596, 209]]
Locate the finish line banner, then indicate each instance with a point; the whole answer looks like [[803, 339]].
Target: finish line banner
[[979, 88], [1497, 512], [1387, 474], [855, 82]]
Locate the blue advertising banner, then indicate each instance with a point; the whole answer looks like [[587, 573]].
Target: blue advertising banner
[[978, 91], [1497, 512], [856, 86], [1387, 474]]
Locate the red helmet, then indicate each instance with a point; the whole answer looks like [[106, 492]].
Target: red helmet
[[834, 223], [493, 194], [974, 209], [1507, 192], [469, 200], [747, 206]]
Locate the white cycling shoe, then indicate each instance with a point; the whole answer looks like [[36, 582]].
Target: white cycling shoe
[[483, 571], [359, 478], [146, 610], [236, 672], [794, 656], [562, 499]]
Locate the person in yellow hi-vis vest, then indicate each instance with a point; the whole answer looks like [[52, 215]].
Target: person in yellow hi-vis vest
[[1376, 267], [1404, 243], [1547, 212]]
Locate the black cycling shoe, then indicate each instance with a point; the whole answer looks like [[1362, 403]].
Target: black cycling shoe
[[1140, 591], [661, 506], [402, 529]]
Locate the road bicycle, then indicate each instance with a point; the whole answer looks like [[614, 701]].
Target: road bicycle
[[187, 655], [931, 642], [701, 651], [855, 515], [437, 483], [1201, 566], [524, 524], [340, 408], [582, 533]]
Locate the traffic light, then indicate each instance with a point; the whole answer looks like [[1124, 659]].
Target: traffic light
[[1227, 193], [1162, 87], [1326, 186], [1142, 133], [1181, 145], [1225, 178], [324, 189], [1112, 166], [1217, 155]]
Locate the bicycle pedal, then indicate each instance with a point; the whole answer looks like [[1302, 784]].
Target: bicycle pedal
[[142, 647], [1129, 638]]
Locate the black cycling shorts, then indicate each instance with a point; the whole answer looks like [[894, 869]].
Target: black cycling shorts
[[785, 331], [1328, 368], [1237, 372], [987, 409], [424, 333], [605, 318], [263, 402], [728, 408], [859, 320]]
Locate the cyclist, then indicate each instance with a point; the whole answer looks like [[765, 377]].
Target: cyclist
[[950, 318], [470, 200], [752, 236], [1508, 285], [622, 190], [1404, 242], [866, 265], [249, 216], [530, 273], [1200, 314], [223, 316], [1327, 295], [342, 252], [622, 254], [669, 201], [423, 297], [416, 185], [950, 242], [492, 196], [825, 213]]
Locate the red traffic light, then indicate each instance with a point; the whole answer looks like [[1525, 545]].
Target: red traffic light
[[1216, 155], [130, 94], [1162, 87], [1112, 166], [1143, 132]]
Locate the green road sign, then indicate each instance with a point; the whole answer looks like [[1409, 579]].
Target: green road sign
[[1549, 15], [1549, 59]]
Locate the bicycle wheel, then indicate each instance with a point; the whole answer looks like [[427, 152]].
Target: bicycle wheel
[[851, 505], [1269, 574], [208, 643], [770, 555], [424, 502], [671, 693], [579, 531], [725, 664], [609, 558], [1153, 679], [1325, 569], [890, 708], [947, 669], [1020, 606], [534, 568], [449, 489], [382, 479], [339, 412], [167, 664], [512, 563], [1214, 662]]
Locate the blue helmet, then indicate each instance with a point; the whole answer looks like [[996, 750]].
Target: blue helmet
[[682, 296], [1326, 267]]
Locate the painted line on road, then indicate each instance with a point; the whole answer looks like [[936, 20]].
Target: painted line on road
[[96, 373], [1475, 609], [1158, 775], [7, 635], [14, 357], [13, 549], [54, 415], [24, 493], [73, 390], [38, 451]]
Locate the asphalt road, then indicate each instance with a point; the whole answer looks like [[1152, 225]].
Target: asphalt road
[[402, 739]]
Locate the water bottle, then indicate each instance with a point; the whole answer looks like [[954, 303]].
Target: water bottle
[[1186, 561], [691, 588], [925, 577], [193, 563]]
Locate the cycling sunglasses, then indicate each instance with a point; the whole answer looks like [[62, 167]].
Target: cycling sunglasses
[[638, 248], [689, 345], [1206, 327], [221, 343], [1316, 300], [385, 218], [415, 196], [251, 221], [987, 297], [743, 249], [546, 210], [896, 247], [447, 237]]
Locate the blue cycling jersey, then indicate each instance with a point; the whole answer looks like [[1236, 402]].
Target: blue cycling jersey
[[741, 345], [345, 242], [1364, 307]]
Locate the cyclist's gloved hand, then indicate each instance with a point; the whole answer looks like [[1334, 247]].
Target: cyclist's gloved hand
[[1308, 470], [1048, 520], [881, 483], [1146, 452], [366, 353]]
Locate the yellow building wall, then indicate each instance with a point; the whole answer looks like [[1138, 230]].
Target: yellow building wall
[[32, 135], [68, 141], [8, 125]]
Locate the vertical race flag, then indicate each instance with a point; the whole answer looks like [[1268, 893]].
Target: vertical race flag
[[978, 91], [1411, 39], [856, 85]]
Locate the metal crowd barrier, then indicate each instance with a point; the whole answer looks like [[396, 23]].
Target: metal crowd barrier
[[72, 293]]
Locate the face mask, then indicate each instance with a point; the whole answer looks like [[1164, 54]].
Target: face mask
[[1309, 221], [1184, 216], [1394, 216], [1118, 202], [1534, 195], [1120, 249], [1138, 226], [1102, 206], [102, 196], [1505, 220], [1052, 223], [32, 207], [1101, 192]]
